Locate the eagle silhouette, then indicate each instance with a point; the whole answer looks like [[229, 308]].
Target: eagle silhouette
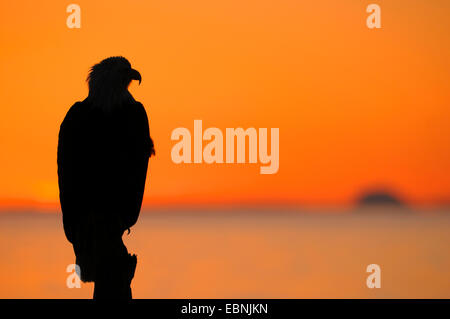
[[103, 152]]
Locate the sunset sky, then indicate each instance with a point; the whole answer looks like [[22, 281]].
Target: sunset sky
[[356, 108]]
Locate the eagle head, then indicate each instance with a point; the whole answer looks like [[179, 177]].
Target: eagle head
[[108, 82]]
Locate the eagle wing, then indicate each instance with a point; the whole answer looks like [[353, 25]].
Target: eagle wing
[[102, 171]]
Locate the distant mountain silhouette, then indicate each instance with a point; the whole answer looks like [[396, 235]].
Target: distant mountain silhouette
[[379, 198]]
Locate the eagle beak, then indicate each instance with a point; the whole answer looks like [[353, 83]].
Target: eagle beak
[[135, 75]]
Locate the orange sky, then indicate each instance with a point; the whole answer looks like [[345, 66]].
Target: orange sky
[[356, 108]]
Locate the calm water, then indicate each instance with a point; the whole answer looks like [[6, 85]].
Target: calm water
[[246, 255]]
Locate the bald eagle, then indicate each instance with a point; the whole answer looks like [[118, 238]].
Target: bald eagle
[[103, 151]]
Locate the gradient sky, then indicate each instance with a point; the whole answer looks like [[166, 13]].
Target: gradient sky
[[356, 108]]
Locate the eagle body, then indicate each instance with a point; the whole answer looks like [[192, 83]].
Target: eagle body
[[103, 154]]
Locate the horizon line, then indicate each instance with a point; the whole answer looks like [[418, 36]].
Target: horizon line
[[54, 208]]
